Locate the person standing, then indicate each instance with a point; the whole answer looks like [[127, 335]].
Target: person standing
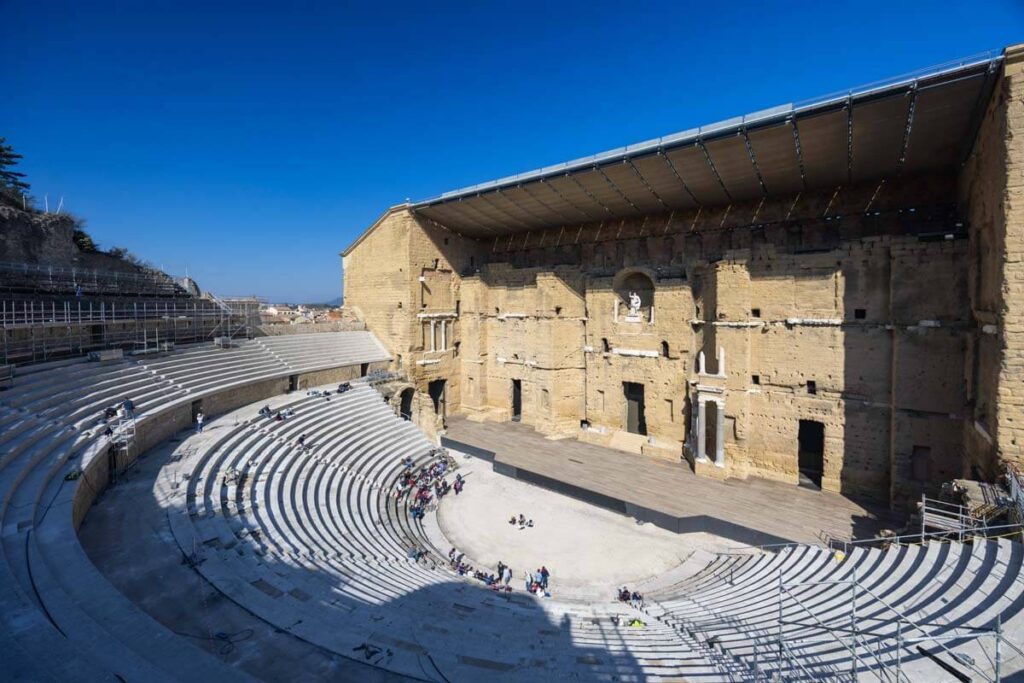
[[199, 422], [129, 408]]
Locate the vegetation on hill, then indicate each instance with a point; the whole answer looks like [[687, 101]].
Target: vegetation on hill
[[13, 187], [14, 193]]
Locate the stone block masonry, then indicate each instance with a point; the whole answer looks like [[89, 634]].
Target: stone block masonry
[[868, 338]]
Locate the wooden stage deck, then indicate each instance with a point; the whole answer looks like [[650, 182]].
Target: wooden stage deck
[[754, 511]]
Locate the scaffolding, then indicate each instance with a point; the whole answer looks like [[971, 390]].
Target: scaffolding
[[953, 518], [37, 278], [36, 331]]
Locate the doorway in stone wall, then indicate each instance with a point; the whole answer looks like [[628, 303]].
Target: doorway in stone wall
[[406, 403], [811, 453], [636, 421], [517, 400], [436, 389]]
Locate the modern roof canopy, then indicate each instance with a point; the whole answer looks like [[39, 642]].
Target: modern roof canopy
[[923, 121]]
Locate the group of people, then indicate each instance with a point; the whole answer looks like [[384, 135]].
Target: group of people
[[421, 487], [124, 409], [521, 521], [279, 416], [537, 582], [633, 598]]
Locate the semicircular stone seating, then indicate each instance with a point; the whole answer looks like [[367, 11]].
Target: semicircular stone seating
[[60, 619], [313, 542], [930, 594], [316, 543]]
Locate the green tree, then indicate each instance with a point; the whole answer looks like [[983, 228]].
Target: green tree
[[12, 187]]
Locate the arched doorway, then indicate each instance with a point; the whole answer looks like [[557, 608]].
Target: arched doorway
[[405, 406]]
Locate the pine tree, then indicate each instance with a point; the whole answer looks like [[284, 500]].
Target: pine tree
[[12, 187]]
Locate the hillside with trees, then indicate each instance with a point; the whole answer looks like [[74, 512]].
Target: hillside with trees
[[30, 234]]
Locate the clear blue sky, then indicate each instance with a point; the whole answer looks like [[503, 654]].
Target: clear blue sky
[[251, 141]]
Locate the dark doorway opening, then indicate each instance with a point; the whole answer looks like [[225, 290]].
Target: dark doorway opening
[[363, 369], [711, 429], [406, 406], [517, 400], [436, 389], [293, 382], [636, 421], [811, 452], [111, 466]]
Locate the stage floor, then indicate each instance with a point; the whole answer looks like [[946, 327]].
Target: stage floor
[[755, 511]]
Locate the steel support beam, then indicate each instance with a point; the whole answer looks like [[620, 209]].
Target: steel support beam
[[565, 199], [907, 128], [675, 172], [587, 192], [753, 161], [799, 152], [616, 188], [640, 177], [711, 165], [849, 140]]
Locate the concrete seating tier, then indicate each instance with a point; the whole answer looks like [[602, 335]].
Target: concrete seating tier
[[316, 543], [60, 619], [301, 354], [942, 590]]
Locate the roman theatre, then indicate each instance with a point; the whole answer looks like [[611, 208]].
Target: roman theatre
[[739, 403]]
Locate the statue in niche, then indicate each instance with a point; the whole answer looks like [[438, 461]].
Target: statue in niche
[[634, 304]]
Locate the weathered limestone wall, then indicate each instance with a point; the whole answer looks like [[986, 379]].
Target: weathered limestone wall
[[992, 197], [879, 326], [403, 275], [865, 308], [378, 283], [525, 325], [833, 288]]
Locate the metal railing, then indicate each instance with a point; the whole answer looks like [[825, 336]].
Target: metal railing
[[1015, 483], [87, 312], [889, 646], [950, 517], [33, 331]]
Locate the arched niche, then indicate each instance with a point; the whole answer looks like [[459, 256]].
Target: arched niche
[[634, 300]]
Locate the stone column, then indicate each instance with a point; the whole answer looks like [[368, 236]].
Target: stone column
[[444, 335], [720, 433], [702, 414], [433, 344]]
